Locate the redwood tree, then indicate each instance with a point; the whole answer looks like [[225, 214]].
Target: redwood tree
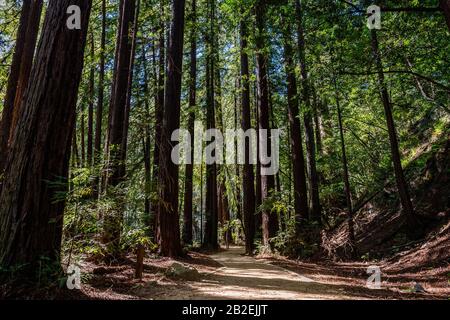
[[307, 117], [168, 217], [211, 205], [31, 206], [187, 221], [101, 84], [118, 119], [298, 160], [269, 220], [119, 92], [402, 185], [345, 175], [20, 72], [248, 177], [90, 133], [159, 112]]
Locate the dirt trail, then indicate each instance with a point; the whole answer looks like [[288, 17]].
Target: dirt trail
[[243, 277]]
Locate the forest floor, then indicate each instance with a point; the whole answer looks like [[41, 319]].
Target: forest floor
[[228, 274]]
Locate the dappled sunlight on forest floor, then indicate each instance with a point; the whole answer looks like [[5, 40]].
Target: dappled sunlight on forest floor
[[229, 274]]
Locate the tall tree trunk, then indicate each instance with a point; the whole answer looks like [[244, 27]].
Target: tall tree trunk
[[316, 115], [118, 116], [395, 153], [100, 100], [269, 220], [126, 123], [273, 125], [147, 139], [345, 175], [445, 6], [168, 218], [101, 85], [237, 185], [82, 137], [248, 178], [159, 111], [37, 165], [290, 166], [19, 74], [188, 187], [222, 194], [201, 203], [258, 192], [75, 156], [298, 160], [90, 134], [119, 91], [307, 119], [211, 210]]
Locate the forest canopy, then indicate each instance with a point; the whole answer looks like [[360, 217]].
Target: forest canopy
[[88, 113]]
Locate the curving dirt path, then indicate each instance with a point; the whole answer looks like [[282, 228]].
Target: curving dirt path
[[243, 277], [231, 275]]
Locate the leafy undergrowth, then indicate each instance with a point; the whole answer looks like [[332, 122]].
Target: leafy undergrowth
[[116, 281], [380, 228], [326, 279]]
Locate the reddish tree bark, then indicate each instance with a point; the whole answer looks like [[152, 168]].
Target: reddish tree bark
[[129, 91], [159, 112], [298, 160], [83, 137], [269, 220], [31, 208], [307, 118], [20, 72], [222, 194], [188, 187], [101, 85], [90, 133], [119, 93], [346, 176], [118, 120], [248, 177], [168, 217], [258, 201], [237, 186], [317, 123], [100, 101], [211, 210], [146, 140], [395, 153]]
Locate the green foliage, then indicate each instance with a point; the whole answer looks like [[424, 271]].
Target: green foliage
[[340, 69], [137, 237], [234, 227], [44, 272], [302, 245]]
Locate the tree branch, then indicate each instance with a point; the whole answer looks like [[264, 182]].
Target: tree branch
[[401, 9], [443, 86]]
